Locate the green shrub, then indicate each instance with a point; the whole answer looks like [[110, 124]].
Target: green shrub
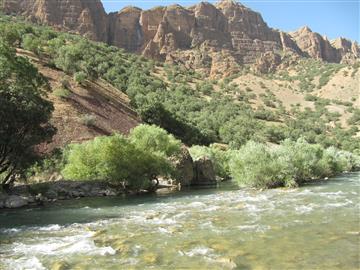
[[301, 157], [290, 164], [62, 92], [255, 165], [31, 43], [80, 77], [155, 140], [309, 97], [114, 159], [355, 118], [335, 161]]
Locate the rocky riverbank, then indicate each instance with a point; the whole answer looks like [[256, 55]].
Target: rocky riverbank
[[39, 194], [189, 173]]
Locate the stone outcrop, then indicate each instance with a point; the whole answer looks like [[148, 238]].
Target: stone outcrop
[[314, 45], [204, 172], [13, 201], [184, 168], [349, 51], [193, 173], [267, 63], [216, 38], [125, 29], [86, 17], [39, 194]]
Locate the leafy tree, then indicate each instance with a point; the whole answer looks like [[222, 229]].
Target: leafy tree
[[31, 43], [238, 131], [155, 140], [135, 161], [301, 157], [80, 77], [24, 113], [254, 165]]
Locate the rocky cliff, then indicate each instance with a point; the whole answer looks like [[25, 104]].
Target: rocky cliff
[[86, 17], [216, 38]]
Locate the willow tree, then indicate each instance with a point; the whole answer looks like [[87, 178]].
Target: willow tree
[[24, 113]]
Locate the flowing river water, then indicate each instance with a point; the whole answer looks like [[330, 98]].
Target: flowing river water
[[312, 227]]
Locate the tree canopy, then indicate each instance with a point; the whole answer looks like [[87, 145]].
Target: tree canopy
[[24, 112]]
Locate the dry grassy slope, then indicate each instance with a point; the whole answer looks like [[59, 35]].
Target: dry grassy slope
[[342, 86], [108, 106]]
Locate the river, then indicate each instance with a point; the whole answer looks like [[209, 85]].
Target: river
[[312, 227]]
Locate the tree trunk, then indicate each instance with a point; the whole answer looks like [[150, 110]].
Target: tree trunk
[[8, 180]]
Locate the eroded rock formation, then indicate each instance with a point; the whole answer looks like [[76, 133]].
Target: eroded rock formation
[[216, 38]]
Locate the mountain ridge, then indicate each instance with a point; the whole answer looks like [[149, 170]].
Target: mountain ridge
[[216, 38]]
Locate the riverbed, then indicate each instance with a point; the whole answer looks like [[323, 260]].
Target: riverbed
[[313, 227]]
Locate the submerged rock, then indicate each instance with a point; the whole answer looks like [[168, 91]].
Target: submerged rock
[[227, 263], [60, 266], [15, 201], [151, 258], [76, 189]]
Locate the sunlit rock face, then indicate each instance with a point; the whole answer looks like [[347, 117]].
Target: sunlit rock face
[[315, 45], [216, 37], [125, 30], [86, 17]]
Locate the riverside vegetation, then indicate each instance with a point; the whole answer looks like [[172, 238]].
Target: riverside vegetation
[[267, 146]]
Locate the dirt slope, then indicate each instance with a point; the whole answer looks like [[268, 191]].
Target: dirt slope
[[84, 111]]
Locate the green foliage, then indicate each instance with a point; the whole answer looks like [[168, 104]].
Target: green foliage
[[301, 157], [24, 113], [31, 43], [134, 161], [238, 131], [206, 88], [255, 165], [80, 77], [47, 165], [155, 140], [62, 92], [309, 97], [307, 71], [264, 114], [289, 164], [355, 118]]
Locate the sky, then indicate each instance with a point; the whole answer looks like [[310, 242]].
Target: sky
[[332, 18]]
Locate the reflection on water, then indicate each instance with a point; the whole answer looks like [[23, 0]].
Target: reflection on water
[[313, 227]]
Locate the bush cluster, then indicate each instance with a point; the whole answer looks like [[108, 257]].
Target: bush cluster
[[135, 161], [290, 164]]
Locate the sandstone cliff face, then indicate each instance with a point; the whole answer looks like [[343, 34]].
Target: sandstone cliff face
[[216, 38], [314, 45], [86, 17], [125, 30], [348, 51]]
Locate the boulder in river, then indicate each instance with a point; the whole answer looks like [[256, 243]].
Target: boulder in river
[[204, 172], [15, 201], [184, 166]]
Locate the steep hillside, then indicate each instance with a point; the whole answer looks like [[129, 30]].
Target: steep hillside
[[91, 81], [215, 39], [83, 111]]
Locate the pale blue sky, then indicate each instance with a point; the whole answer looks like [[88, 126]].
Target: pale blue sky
[[332, 18]]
